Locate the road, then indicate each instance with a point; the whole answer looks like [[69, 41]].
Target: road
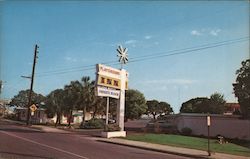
[[21, 142]]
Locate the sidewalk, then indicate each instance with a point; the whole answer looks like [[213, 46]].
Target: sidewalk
[[38, 127], [50, 129], [170, 149]]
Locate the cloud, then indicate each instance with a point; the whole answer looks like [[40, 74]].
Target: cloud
[[195, 33], [147, 37], [205, 31], [70, 59], [214, 32], [131, 41]]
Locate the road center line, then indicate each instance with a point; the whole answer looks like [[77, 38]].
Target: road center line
[[51, 147]]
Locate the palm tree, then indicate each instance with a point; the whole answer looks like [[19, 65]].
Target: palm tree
[[55, 104], [87, 94], [98, 105], [72, 96]]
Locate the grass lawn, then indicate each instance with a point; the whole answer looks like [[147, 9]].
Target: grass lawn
[[191, 142]]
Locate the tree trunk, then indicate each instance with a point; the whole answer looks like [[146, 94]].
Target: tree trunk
[[60, 117], [83, 115], [57, 119], [94, 113], [154, 114], [70, 117]]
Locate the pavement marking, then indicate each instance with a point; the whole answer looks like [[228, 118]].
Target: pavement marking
[[34, 142]]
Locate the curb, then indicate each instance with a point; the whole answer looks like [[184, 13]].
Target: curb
[[156, 150]]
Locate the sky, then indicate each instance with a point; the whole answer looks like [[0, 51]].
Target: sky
[[73, 36]]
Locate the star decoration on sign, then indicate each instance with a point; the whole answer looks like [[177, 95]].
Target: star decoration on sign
[[122, 54]]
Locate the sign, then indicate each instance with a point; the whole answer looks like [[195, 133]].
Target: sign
[[105, 92], [109, 71], [122, 54], [208, 121], [33, 108], [110, 82]]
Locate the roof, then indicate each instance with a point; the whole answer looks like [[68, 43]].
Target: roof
[[22, 108]]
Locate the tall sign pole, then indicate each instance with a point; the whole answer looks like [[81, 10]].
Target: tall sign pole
[[123, 59], [121, 101], [31, 85]]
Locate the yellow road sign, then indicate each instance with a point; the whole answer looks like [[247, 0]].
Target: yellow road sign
[[33, 108]]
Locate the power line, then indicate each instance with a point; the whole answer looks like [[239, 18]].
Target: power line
[[151, 56], [189, 50], [180, 23]]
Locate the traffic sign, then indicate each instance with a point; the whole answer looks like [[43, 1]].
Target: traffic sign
[[33, 108], [208, 120]]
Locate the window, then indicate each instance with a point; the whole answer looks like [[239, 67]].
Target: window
[[109, 81], [102, 80], [116, 83]]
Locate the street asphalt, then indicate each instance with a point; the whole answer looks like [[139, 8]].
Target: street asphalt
[[21, 142]]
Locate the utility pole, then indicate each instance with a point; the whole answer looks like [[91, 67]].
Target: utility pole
[[31, 85], [1, 84]]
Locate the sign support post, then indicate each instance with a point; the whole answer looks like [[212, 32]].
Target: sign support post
[[208, 134], [107, 112], [121, 102]]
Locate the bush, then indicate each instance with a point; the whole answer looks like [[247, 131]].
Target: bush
[[186, 131], [94, 124], [112, 127], [10, 116]]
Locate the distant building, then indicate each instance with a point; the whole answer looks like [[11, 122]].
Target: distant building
[[231, 108], [77, 117], [39, 115], [3, 107]]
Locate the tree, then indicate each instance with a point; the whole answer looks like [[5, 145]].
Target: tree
[[158, 108], [196, 105], [135, 104], [217, 103], [165, 108], [98, 105], [242, 88], [72, 94], [55, 105], [153, 108], [213, 105], [21, 99], [88, 95]]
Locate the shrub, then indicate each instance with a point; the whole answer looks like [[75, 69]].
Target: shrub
[[93, 124], [112, 127], [186, 131]]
